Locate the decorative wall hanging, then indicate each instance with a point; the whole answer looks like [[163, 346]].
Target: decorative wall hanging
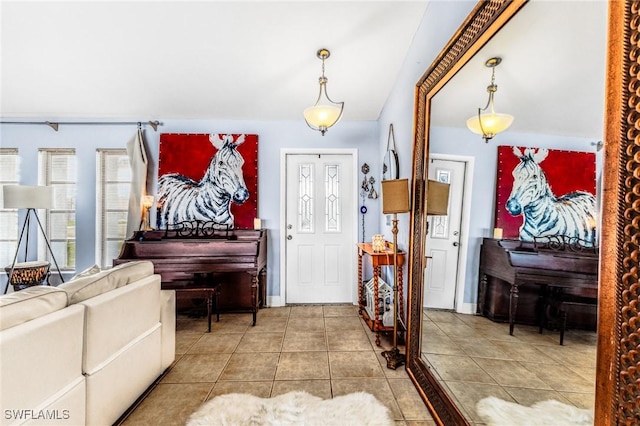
[[367, 190], [546, 192], [390, 164], [208, 177]]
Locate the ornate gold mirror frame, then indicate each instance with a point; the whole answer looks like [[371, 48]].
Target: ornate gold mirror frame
[[617, 399]]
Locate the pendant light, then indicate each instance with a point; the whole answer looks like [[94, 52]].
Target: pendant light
[[489, 123], [325, 112]]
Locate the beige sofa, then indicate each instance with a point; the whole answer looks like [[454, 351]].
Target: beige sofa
[[83, 352]]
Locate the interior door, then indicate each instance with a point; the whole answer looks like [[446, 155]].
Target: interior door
[[320, 221], [443, 238]]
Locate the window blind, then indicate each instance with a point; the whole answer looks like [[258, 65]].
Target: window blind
[[9, 175], [58, 170], [113, 184]]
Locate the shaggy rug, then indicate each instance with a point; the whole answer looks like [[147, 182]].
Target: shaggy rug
[[293, 408], [496, 412]]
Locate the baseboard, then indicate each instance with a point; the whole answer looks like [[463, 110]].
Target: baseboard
[[467, 308], [274, 302]]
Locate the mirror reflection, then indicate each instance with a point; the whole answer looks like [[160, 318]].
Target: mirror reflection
[[471, 343]]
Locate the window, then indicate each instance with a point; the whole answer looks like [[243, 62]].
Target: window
[[58, 169], [8, 217], [113, 182]]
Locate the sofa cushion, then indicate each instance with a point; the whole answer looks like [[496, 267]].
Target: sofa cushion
[[93, 270], [90, 286], [33, 302]]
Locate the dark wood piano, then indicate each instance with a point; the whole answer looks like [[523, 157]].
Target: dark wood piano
[[236, 259], [516, 276]]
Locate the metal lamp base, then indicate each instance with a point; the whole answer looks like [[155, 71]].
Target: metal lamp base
[[394, 358]]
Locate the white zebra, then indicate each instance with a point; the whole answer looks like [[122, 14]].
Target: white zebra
[[544, 214], [184, 199]]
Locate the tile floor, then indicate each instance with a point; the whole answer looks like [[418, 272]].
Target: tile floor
[[475, 357], [324, 350]]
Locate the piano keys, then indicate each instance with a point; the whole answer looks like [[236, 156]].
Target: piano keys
[[237, 259], [514, 276]]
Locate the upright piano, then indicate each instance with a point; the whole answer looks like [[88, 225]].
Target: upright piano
[[236, 259], [514, 277]]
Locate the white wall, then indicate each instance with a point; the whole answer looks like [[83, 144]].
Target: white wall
[[272, 137]]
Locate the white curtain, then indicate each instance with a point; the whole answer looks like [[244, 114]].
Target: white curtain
[[138, 162]]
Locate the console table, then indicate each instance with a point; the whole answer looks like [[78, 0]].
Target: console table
[[378, 259]]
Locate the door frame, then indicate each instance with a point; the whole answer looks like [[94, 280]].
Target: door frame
[[284, 152], [461, 274]]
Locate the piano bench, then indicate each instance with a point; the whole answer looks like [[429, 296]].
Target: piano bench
[[207, 293], [563, 303]]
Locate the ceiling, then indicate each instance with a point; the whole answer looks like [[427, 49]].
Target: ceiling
[[256, 60], [252, 60]]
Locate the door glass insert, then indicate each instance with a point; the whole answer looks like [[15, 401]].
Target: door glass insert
[[440, 224], [305, 199], [332, 201]]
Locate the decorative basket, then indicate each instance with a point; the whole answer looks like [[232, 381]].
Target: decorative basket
[[27, 274]]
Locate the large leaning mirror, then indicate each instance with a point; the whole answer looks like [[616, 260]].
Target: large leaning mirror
[[614, 356]]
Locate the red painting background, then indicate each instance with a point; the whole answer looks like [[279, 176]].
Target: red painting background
[[190, 154], [566, 171]]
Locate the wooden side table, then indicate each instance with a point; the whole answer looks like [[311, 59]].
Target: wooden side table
[[377, 260]]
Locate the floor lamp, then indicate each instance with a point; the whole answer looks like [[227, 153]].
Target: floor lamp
[[30, 198], [395, 199]]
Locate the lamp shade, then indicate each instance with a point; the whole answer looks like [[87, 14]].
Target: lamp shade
[[27, 197], [437, 198], [147, 201], [492, 123], [322, 116], [395, 196]]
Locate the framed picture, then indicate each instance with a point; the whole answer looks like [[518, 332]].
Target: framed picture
[[208, 177], [546, 192]]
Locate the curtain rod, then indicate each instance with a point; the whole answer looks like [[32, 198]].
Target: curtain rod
[[54, 124]]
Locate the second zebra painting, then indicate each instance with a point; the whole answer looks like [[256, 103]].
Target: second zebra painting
[[544, 192], [208, 177]]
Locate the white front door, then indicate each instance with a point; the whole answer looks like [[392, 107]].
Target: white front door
[[319, 225], [443, 238]]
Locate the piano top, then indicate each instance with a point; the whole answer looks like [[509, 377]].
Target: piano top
[[237, 246], [217, 235], [514, 260]]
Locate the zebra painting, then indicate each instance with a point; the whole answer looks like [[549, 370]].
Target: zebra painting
[[544, 214], [184, 199]]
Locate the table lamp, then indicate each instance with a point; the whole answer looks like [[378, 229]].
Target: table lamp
[[145, 220]]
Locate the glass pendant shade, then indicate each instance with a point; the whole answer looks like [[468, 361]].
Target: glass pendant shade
[[489, 124], [321, 116]]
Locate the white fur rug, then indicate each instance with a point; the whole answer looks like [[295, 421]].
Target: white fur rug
[[293, 408], [496, 412]]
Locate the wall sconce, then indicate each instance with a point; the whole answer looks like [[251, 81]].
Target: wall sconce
[[490, 123], [325, 113], [395, 199]]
